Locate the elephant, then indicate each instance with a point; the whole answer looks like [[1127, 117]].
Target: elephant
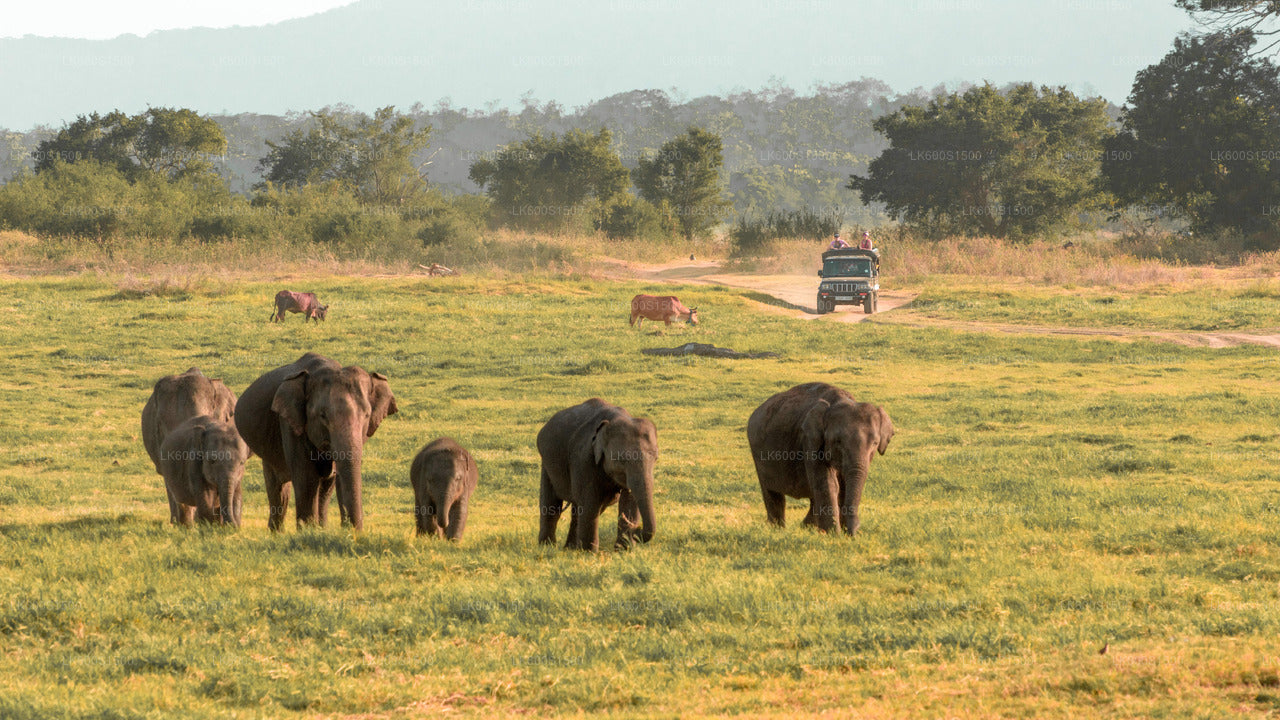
[[443, 476], [202, 461], [178, 398], [815, 441], [594, 454], [308, 421]]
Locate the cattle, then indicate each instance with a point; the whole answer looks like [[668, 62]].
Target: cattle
[[305, 303], [660, 307]]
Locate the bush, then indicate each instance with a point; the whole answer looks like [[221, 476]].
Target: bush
[[628, 217], [751, 233]]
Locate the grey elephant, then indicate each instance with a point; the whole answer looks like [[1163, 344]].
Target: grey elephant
[[178, 398], [308, 421], [595, 454], [815, 441], [443, 476], [202, 461]]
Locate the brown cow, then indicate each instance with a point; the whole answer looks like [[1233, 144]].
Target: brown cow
[[661, 307], [296, 302]]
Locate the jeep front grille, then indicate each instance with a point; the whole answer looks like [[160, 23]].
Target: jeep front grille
[[844, 288]]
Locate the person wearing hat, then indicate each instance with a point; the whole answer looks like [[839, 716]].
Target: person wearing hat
[[838, 243], [866, 241]]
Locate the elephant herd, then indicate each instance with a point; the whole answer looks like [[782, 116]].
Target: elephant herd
[[308, 422]]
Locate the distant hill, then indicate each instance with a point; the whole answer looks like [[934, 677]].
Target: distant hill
[[491, 53]]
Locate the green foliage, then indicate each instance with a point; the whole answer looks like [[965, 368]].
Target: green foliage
[[1009, 164], [683, 181], [174, 143], [627, 216], [372, 156], [750, 233], [1198, 138], [552, 182]]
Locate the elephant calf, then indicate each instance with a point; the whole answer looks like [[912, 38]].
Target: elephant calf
[[593, 455], [202, 461], [443, 476], [815, 441], [178, 398]]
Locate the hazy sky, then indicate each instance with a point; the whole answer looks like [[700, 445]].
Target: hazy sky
[[102, 19]]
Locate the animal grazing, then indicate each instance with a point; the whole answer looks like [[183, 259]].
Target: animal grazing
[[437, 270], [308, 421], [661, 307], [202, 461], [178, 398], [296, 302], [815, 441], [443, 476], [593, 455]]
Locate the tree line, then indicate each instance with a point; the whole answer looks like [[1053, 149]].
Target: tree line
[[1195, 142]]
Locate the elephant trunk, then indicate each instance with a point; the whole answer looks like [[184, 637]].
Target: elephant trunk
[[348, 462], [229, 501], [855, 479], [640, 484]]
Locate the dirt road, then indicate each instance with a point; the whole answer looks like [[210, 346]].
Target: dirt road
[[796, 295]]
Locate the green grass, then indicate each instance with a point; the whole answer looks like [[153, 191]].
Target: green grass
[[1043, 496], [1186, 306]]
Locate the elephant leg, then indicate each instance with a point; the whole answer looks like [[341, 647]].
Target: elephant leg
[[572, 541], [306, 505], [587, 519], [175, 508], [550, 506], [848, 511], [628, 520], [187, 515], [432, 523], [277, 497], [457, 519], [423, 514], [824, 498], [775, 507], [324, 493]]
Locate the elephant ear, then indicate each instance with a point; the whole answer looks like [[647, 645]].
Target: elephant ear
[[814, 425], [381, 402], [290, 401], [224, 401], [598, 442], [884, 428]]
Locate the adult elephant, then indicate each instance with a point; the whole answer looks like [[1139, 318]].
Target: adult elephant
[[815, 441], [178, 398], [593, 455], [308, 421]]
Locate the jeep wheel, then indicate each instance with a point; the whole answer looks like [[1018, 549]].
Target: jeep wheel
[[823, 307], [869, 303]]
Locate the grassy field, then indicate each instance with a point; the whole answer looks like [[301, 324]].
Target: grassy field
[[1244, 305], [1044, 499]]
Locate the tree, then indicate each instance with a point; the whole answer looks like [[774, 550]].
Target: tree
[[171, 142], [1198, 136], [683, 181], [372, 156], [987, 162], [546, 180], [1231, 17]]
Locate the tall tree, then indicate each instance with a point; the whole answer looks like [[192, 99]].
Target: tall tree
[[1198, 136], [986, 162], [373, 156], [683, 181], [1230, 17], [171, 142], [545, 181]]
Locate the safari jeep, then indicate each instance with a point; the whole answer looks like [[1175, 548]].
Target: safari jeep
[[849, 277]]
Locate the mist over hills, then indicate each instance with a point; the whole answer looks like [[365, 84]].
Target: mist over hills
[[490, 53]]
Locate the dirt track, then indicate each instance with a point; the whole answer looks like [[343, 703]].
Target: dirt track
[[796, 295]]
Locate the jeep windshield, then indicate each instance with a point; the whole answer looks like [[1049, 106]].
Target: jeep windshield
[[847, 267]]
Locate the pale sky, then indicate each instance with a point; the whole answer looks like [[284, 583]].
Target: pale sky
[[103, 19]]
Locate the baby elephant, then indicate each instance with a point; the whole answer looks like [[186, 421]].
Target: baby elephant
[[443, 476], [299, 302], [202, 461]]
